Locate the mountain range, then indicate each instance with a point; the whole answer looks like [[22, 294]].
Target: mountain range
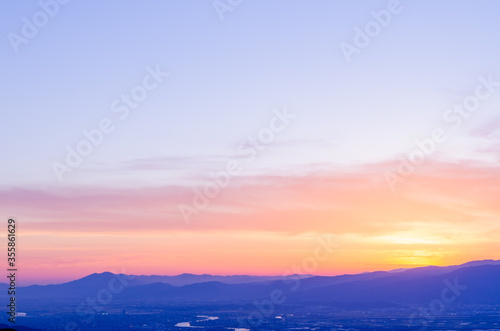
[[473, 282]]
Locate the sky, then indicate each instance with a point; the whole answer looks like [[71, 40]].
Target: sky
[[226, 137]]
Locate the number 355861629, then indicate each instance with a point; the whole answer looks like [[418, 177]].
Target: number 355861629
[[11, 228]]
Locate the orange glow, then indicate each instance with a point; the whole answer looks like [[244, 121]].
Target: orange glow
[[445, 218]]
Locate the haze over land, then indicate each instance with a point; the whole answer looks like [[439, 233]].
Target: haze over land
[[457, 297]]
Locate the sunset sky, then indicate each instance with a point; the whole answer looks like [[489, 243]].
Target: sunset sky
[[339, 131]]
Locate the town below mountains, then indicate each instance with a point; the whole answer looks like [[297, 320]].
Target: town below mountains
[[462, 297]]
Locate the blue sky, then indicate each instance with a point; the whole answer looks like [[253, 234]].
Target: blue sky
[[226, 77]]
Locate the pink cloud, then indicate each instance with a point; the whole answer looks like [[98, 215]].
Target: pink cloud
[[357, 201]]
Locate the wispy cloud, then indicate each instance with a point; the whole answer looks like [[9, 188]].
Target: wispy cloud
[[350, 201]]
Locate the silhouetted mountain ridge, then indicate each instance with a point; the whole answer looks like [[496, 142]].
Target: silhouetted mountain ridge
[[475, 282], [481, 284]]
